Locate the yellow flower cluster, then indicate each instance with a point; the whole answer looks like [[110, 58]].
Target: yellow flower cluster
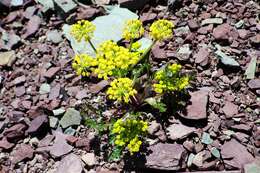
[[121, 90], [161, 29], [128, 133], [169, 79], [83, 29], [133, 29], [82, 64], [112, 58]]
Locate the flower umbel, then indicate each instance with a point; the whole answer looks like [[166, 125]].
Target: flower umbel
[[169, 79], [128, 133], [133, 29], [83, 64], [83, 29], [161, 29], [121, 90], [114, 60]]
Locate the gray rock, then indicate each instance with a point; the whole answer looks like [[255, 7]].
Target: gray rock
[[70, 164], [53, 121], [70, 118], [226, 60], [254, 84], [253, 167], [89, 159], [212, 21], [54, 36], [7, 58], [206, 139], [179, 131], [59, 111], [66, 5], [165, 157], [45, 88]]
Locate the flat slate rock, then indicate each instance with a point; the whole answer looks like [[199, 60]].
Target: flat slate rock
[[165, 157], [71, 117], [179, 131], [235, 154], [197, 110], [70, 164]]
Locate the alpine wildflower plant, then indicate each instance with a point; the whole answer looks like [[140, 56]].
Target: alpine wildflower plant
[[161, 29], [121, 90], [83, 64], [133, 29], [129, 132], [169, 79], [83, 29]]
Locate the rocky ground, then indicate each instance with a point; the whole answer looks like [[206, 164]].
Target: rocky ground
[[41, 129]]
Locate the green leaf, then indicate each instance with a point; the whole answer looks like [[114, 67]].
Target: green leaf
[[99, 126], [157, 104], [109, 27], [250, 71], [116, 154]]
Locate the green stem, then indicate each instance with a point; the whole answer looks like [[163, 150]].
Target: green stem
[[92, 45], [131, 44], [146, 51]]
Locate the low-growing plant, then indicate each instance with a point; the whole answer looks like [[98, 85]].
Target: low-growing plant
[[125, 65]]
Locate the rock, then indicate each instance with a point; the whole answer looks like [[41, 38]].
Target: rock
[[51, 72], [15, 132], [19, 80], [102, 2], [9, 40], [212, 21], [221, 32], [253, 167], [179, 131], [202, 57], [7, 58], [70, 118], [153, 127], [55, 92], [81, 94], [53, 121], [158, 53], [96, 88], [239, 24], [54, 36], [65, 6], [185, 30], [132, 4], [243, 33], [206, 139], [60, 146], [230, 109], [19, 91], [22, 152], [226, 60], [83, 143], [254, 84], [32, 26], [148, 17], [184, 52], [59, 111], [70, 164], [255, 40], [70, 131], [4, 144], [237, 153], [193, 25], [37, 123], [89, 159], [205, 30], [45, 88], [165, 157], [46, 141], [198, 108]]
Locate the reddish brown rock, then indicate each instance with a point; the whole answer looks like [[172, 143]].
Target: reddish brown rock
[[5, 144], [221, 32], [202, 57], [96, 88], [254, 84], [22, 152], [51, 72], [230, 109], [37, 123], [235, 154], [15, 132], [197, 109], [165, 157]]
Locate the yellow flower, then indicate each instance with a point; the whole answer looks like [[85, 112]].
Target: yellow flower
[[128, 133], [112, 59], [82, 63], [121, 90], [161, 29], [133, 29], [83, 29], [170, 79]]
